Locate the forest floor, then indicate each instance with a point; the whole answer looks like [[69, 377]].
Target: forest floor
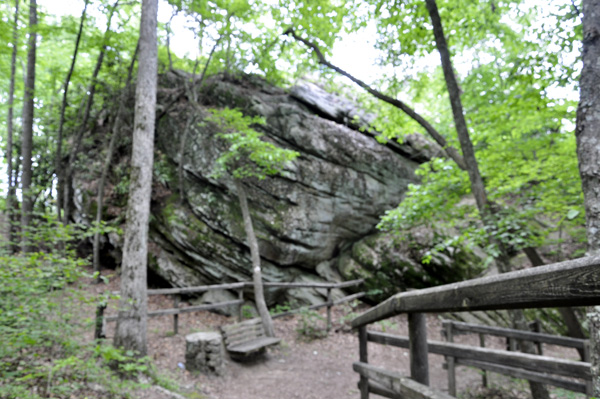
[[307, 368]]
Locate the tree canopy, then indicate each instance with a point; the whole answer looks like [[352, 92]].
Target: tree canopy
[[517, 65]]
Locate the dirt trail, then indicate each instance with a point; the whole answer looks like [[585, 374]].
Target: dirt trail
[[298, 368]]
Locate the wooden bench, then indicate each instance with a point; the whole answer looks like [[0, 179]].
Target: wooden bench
[[247, 339]]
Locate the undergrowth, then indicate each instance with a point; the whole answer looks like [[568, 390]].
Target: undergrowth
[[311, 325], [43, 349]]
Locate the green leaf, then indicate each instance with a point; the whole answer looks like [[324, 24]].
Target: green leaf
[[572, 214]]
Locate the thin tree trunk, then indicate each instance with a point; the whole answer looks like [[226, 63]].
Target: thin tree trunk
[[587, 132], [11, 198], [61, 123], [462, 131], [574, 329], [67, 182], [116, 129], [588, 123], [259, 295], [538, 390], [192, 94], [27, 136], [132, 322]]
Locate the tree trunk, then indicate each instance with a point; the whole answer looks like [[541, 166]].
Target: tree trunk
[[588, 123], [568, 314], [11, 198], [61, 123], [116, 128], [259, 295], [587, 132], [538, 390], [594, 326], [67, 182], [27, 136], [132, 322], [462, 131]]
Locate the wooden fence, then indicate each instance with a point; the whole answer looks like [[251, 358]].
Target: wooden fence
[[453, 328], [570, 283], [238, 303]]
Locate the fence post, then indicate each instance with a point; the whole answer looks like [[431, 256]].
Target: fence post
[[484, 376], [450, 361], [537, 327], [241, 299], [329, 303], [417, 334], [589, 387], [99, 331], [176, 299], [364, 358]]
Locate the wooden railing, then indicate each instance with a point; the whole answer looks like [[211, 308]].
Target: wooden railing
[[453, 328], [570, 283], [239, 287]]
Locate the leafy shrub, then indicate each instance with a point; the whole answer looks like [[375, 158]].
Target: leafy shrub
[[248, 312], [280, 308], [42, 352], [311, 325]]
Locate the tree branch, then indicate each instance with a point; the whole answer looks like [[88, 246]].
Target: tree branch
[[433, 133]]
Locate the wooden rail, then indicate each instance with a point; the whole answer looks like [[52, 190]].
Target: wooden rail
[[395, 385], [571, 283], [188, 309], [194, 290], [239, 286], [544, 364], [453, 328], [345, 284], [460, 327], [327, 304]]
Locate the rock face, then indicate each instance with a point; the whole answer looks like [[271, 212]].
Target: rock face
[[390, 263], [327, 199], [307, 220]]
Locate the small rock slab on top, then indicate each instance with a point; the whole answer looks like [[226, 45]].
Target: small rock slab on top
[[204, 352]]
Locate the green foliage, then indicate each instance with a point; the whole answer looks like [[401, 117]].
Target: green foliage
[[248, 312], [524, 146], [311, 325], [511, 60], [42, 323], [350, 311], [447, 258], [163, 171], [248, 155], [386, 325], [280, 308]]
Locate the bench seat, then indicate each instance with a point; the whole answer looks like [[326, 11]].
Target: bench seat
[[254, 345], [246, 339]]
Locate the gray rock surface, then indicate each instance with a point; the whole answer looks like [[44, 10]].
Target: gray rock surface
[[327, 199], [311, 221], [204, 352], [393, 263]]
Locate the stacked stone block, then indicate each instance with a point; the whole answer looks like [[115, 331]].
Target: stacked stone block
[[204, 352]]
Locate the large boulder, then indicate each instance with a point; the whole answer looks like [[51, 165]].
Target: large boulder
[[327, 199], [309, 220]]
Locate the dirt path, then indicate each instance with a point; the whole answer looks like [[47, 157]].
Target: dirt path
[[316, 369]]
